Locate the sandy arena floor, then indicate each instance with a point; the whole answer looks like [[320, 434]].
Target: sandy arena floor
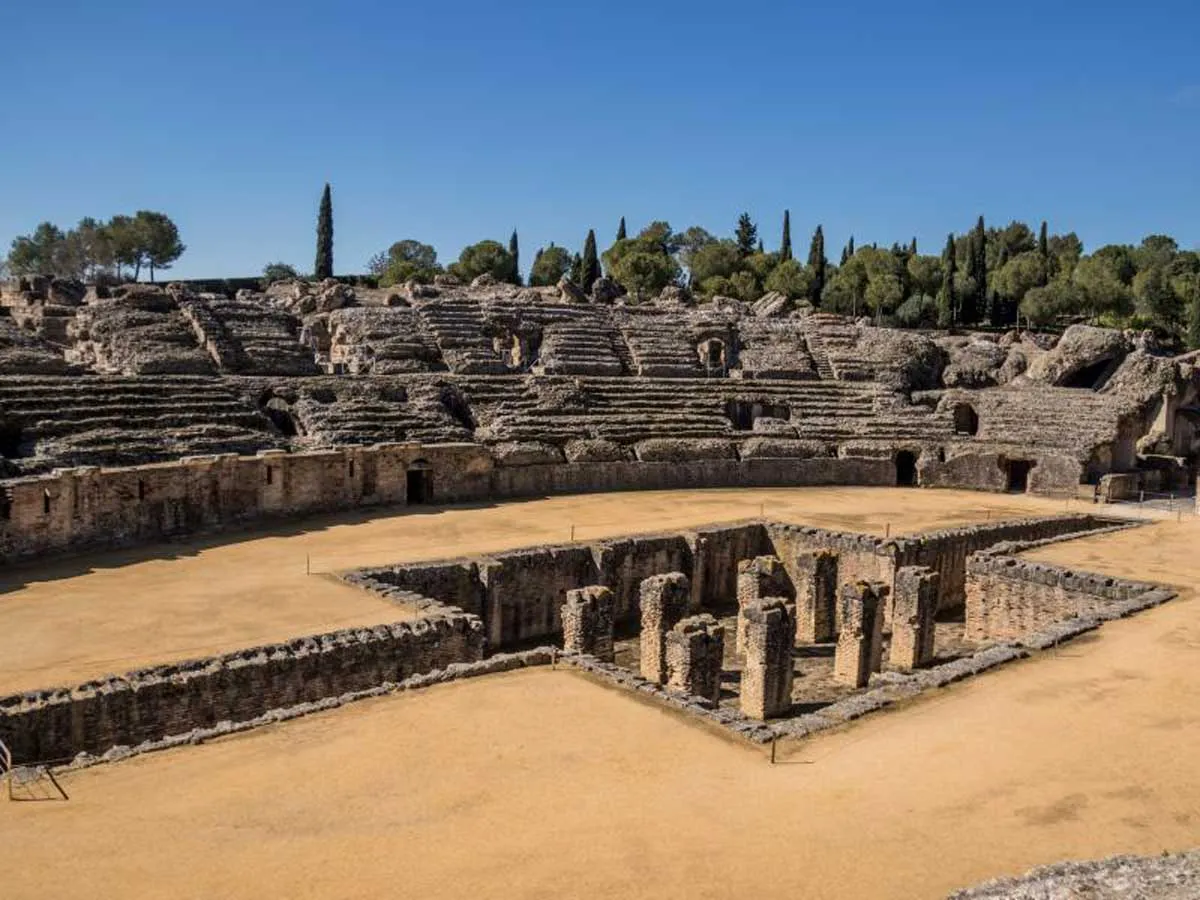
[[542, 784], [65, 622]]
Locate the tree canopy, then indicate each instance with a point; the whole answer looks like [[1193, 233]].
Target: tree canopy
[[96, 251]]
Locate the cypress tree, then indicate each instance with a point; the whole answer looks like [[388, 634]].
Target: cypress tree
[[850, 246], [323, 268], [845, 255], [912, 248], [785, 245], [576, 273], [621, 230], [514, 250], [747, 234], [1044, 252], [591, 263], [981, 259], [817, 263], [761, 249], [947, 313]]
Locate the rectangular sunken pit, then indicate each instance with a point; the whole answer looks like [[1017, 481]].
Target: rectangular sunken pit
[[779, 630]]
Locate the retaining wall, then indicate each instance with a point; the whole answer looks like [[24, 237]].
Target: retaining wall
[[155, 703]]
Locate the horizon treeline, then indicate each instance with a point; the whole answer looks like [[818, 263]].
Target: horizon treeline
[[985, 276]]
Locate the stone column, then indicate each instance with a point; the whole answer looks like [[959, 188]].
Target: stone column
[[664, 601], [860, 643], [758, 579], [914, 605], [587, 619], [695, 650], [767, 673], [816, 581]]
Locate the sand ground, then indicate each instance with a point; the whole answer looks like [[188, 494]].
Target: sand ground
[[65, 622], [543, 784]]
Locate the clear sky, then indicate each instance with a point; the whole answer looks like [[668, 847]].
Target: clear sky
[[454, 121]]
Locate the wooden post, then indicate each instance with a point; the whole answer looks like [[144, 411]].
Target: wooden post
[[773, 740], [307, 564]]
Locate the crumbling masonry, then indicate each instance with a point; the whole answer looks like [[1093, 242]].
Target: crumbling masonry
[[914, 607], [664, 600], [758, 579], [767, 673], [860, 643], [816, 578], [587, 619], [695, 650]]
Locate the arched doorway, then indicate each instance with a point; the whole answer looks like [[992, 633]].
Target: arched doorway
[[420, 482], [906, 469]]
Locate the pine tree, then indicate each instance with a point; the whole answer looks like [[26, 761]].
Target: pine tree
[[514, 250], [591, 263], [747, 234], [817, 264], [621, 230], [785, 245], [323, 268], [947, 312]]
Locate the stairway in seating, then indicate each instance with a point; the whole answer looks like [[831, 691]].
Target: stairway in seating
[[460, 330], [816, 349]]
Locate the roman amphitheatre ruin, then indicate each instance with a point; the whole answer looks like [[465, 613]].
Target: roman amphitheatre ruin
[[473, 589]]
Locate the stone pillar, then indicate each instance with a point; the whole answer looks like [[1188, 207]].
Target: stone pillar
[[664, 601], [758, 579], [860, 643], [767, 673], [914, 605], [816, 581], [695, 650], [587, 619]]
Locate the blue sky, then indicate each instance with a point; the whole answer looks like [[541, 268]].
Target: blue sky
[[451, 122]]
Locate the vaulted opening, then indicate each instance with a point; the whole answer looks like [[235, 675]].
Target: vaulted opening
[[966, 420], [419, 482], [1017, 472], [906, 469]]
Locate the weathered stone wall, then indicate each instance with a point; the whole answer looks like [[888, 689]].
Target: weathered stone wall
[[90, 507], [986, 470], [946, 551], [154, 703], [816, 584], [519, 594], [1009, 598], [75, 509], [860, 557]]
